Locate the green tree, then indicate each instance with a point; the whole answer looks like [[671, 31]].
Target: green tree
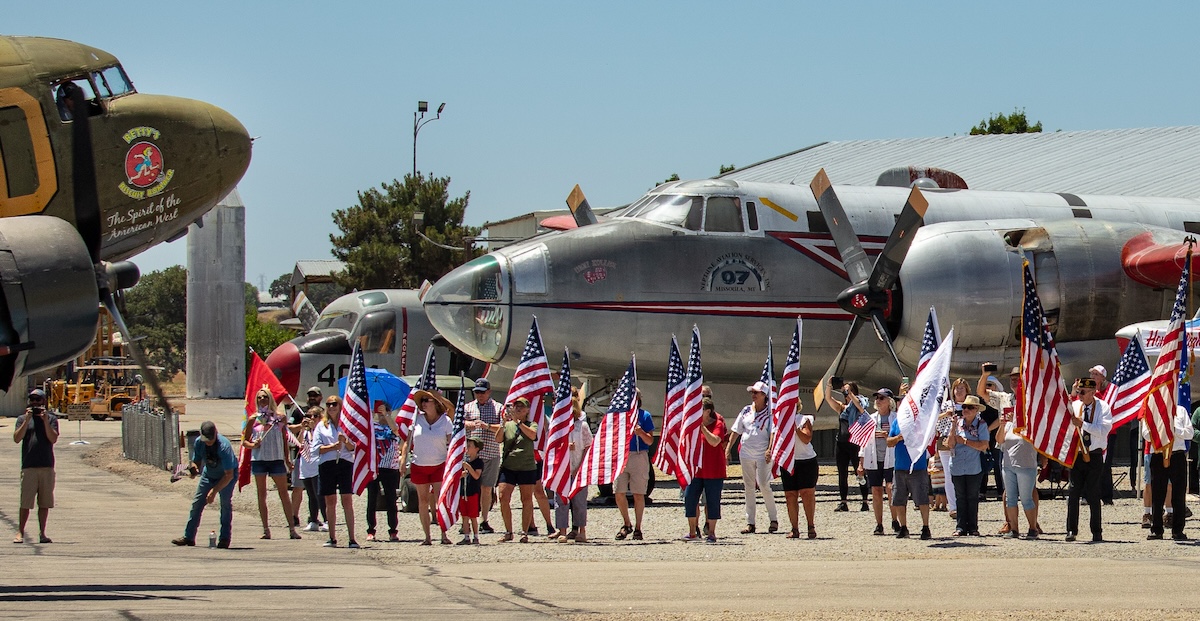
[[281, 286], [1014, 123], [729, 168], [320, 294], [156, 308], [264, 336], [380, 245]]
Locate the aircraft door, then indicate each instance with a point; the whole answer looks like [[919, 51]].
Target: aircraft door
[[27, 174]]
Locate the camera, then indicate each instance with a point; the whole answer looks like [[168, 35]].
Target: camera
[[991, 367], [836, 382], [37, 409]]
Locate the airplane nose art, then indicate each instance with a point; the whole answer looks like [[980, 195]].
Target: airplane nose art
[[469, 306], [285, 362]]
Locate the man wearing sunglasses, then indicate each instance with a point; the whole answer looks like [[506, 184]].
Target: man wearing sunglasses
[[36, 431]]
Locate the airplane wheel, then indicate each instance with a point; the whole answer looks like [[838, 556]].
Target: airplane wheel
[[408, 495]]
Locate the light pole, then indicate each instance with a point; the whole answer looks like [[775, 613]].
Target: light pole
[[419, 122]]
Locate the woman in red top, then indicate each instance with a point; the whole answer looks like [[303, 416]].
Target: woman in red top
[[710, 477]]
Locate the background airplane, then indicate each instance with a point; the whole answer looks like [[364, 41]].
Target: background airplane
[[743, 259], [91, 172], [393, 330]]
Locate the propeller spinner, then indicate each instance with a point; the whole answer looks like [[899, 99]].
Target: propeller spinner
[[869, 296]]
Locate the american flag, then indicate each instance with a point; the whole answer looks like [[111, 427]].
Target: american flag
[[666, 456], [1130, 383], [693, 414], [427, 381], [1158, 410], [532, 380], [863, 430], [452, 470], [783, 444], [609, 452], [768, 378], [1043, 394], [356, 420], [931, 340], [557, 458]]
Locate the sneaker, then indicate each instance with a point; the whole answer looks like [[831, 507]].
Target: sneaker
[[1012, 534], [532, 532], [313, 527], [1032, 534], [223, 544], [184, 541], [841, 507], [637, 535], [1070, 536], [466, 541], [474, 541], [774, 527], [325, 528], [1146, 520], [332, 543], [902, 532], [370, 536], [393, 536], [1154, 536], [925, 534], [878, 529], [1180, 537], [485, 528], [864, 508], [895, 526], [353, 545], [711, 539], [1097, 538]]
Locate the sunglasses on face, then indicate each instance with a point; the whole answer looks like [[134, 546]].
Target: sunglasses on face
[[426, 400], [333, 404]]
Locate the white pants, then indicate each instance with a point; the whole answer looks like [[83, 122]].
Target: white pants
[[947, 459], [757, 470]]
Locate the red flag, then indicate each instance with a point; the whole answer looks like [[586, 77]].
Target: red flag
[[260, 376]]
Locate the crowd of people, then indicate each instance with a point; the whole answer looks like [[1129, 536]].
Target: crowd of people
[[976, 437]]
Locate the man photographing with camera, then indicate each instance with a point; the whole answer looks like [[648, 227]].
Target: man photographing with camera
[[37, 431]]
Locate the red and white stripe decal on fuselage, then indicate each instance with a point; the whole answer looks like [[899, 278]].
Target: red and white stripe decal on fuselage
[[820, 248]]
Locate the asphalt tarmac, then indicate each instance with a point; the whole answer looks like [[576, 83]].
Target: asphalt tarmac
[[111, 559]]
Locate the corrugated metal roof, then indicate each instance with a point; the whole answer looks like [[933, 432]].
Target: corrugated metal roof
[[311, 268], [1130, 162]]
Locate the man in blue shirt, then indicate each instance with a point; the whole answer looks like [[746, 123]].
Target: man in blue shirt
[[636, 476], [214, 459], [905, 483]]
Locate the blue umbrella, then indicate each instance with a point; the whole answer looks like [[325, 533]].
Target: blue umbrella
[[382, 385]]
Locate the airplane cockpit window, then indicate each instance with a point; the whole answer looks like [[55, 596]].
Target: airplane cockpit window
[[673, 209], [723, 215], [112, 82], [336, 320], [372, 298], [63, 92], [377, 332]]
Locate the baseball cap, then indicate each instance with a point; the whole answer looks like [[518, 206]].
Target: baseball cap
[[482, 385], [1099, 369], [757, 387], [314, 391], [1015, 371], [37, 392], [884, 392], [1087, 382], [208, 429], [521, 400]]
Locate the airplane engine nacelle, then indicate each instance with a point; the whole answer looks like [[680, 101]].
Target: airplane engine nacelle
[[971, 273], [48, 297]]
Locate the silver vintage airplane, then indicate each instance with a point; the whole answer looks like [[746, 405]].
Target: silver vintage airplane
[[743, 259]]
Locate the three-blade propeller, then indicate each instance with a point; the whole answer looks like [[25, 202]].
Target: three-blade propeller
[[869, 295]]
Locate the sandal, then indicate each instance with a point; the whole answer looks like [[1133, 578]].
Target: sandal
[[774, 527], [19, 539], [749, 529], [506, 537], [524, 538], [294, 535], [812, 532], [795, 534], [266, 534], [623, 533]]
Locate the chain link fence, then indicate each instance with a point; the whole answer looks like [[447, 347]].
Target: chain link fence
[[149, 435]]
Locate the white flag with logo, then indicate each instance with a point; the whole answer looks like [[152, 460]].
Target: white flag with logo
[[918, 413]]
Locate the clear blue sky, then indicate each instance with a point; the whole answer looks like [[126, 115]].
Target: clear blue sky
[[614, 96]]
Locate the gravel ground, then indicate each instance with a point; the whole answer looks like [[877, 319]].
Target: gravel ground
[[842, 536]]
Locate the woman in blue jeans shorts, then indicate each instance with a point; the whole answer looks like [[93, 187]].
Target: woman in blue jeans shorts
[[1020, 476], [968, 439], [709, 477]]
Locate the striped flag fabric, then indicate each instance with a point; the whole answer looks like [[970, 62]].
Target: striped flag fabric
[[666, 456], [693, 414], [356, 420], [427, 381], [1130, 383], [863, 430], [783, 442], [452, 471], [767, 377], [1042, 394], [532, 380], [609, 451], [1158, 410], [557, 458]]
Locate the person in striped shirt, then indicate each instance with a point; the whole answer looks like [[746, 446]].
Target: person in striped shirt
[[382, 491]]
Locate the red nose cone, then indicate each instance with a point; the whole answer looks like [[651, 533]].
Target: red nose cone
[[285, 363]]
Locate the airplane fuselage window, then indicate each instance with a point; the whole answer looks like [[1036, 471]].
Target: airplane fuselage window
[[723, 215], [752, 215], [377, 332], [62, 98], [673, 209], [339, 320], [112, 82]]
